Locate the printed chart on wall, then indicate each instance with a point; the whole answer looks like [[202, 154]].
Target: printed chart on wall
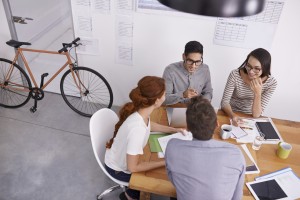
[[82, 17], [250, 32], [83, 11], [124, 32]]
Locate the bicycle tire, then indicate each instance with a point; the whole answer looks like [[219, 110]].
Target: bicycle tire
[[95, 92], [11, 94]]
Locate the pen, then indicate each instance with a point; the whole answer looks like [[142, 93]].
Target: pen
[[246, 128]]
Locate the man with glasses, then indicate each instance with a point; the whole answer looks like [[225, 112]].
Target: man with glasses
[[188, 78], [250, 87]]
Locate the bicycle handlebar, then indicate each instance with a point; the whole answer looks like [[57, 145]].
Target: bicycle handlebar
[[69, 45]]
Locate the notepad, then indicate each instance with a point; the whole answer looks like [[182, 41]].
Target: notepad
[[267, 129]]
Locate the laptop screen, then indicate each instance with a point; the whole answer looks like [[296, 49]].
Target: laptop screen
[[177, 117]]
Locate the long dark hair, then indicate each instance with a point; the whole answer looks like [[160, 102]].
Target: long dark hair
[[149, 89], [264, 57]]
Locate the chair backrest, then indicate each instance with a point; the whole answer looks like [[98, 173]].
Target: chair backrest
[[102, 126]]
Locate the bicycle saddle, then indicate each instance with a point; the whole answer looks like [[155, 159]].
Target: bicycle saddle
[[16, 44]]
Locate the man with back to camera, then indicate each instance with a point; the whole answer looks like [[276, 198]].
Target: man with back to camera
[[188, 78], [204, 168]]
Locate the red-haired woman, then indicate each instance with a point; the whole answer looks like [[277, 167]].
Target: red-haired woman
[[133, 130]]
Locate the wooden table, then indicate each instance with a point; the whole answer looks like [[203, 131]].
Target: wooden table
[[156, 181]]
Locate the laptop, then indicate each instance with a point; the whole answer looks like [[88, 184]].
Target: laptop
[[177, 117]]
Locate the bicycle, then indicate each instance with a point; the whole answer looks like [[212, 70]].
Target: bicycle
[[83, 89]]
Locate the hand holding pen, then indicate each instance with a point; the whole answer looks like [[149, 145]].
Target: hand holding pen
[[190, 93]]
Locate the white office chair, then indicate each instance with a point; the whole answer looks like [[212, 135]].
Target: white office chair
[[102, 125]]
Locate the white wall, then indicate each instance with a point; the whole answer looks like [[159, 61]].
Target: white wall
[[285, 51], [160, 39]]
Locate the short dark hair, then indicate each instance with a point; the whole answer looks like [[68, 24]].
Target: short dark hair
[[264, 57], [193, 47], [201, 118]]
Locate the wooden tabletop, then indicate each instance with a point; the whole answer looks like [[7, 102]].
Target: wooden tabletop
[[156, 181]]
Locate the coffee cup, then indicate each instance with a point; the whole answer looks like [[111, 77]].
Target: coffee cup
[[284, 150], [225, 131]]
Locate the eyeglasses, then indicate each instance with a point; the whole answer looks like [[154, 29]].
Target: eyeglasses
[[191, 62], [248, 67]]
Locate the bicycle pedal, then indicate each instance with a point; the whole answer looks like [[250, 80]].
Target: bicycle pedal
[[32, 109]]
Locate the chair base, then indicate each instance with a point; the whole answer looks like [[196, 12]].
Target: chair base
[[109, 190]]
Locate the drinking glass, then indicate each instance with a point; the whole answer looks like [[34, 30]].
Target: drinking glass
[[257, 142]]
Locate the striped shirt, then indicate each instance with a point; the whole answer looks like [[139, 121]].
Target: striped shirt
[[240, 96]]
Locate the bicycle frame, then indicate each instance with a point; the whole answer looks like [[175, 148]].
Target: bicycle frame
[[68, 63]]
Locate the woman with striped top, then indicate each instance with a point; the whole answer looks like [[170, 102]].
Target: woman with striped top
[[250, 87]]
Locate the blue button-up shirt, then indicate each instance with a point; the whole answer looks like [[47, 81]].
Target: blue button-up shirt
[[178, 80]]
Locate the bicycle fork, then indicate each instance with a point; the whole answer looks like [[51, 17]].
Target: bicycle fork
[[38, 93]]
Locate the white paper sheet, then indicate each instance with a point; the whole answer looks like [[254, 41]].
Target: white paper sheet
[[163, 141]]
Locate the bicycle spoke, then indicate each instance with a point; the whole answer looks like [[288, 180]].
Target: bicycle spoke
[[14, 90], [89, 93]]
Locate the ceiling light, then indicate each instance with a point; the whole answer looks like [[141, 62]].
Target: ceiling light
[[217, 8]]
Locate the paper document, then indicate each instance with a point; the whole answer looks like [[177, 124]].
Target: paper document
[[163, 141], [248, 125], [273, 174], [238, 132]]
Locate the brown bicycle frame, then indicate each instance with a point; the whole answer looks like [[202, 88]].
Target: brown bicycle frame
[[69, 62]]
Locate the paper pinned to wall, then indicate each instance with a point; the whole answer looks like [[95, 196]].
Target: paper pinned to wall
[[250, 32], [88, 46], [82, 18], [124, 38], [125, 6], [101, 6]]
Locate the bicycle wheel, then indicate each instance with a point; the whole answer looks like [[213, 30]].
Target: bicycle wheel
[[14, 91], [88, 93]]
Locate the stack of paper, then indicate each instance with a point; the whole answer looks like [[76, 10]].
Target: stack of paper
[[247, 130], [282, 184]]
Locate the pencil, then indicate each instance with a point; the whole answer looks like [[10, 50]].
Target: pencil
[[246, 128]]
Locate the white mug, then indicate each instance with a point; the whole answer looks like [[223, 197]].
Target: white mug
[[225, 131]]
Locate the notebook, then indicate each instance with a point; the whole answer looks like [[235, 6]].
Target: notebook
[[177, 117], [153, 142], [267, 129]]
